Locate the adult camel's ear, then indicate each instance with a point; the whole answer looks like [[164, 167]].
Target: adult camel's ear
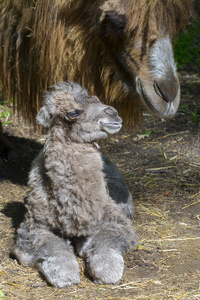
[[73, 115]]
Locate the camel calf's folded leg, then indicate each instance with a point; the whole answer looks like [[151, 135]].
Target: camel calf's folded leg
[[51, 255], [104, 249]]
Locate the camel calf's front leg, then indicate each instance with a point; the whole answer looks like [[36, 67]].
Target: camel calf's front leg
[[105, 266], [51, 255], [60, 269], [104, 249]]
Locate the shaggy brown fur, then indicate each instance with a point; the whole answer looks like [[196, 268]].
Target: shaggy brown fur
[[93, 42]]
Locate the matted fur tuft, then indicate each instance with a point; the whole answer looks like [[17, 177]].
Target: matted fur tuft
[[92, 42]]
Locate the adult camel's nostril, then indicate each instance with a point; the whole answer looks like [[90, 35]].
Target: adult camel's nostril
[[166, 89]]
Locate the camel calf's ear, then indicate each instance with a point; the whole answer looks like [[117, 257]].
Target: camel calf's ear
[[43, 118], [73, 116]]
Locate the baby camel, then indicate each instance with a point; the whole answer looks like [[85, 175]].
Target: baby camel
[[70, 206]]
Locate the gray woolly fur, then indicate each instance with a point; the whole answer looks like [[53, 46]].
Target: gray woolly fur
[[70, 205]]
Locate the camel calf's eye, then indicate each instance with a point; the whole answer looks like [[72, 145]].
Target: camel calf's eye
[[74, 114]]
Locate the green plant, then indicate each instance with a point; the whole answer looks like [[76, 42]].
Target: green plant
[[187, 46], [148, 133], [1, 295], [4, 114], [161, 152], [194, 113]]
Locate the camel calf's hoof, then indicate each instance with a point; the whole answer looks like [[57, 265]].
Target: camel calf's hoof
[[60, 271], [106, 266]]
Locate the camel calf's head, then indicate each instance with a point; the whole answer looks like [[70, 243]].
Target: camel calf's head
[[85, 117]]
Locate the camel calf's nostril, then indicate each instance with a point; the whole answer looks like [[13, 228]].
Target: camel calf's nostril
[[166, 90]]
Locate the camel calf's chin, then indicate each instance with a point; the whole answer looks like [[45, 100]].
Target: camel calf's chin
[[78, 199]]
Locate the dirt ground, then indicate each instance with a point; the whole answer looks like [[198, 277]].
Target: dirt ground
[[161, 166]]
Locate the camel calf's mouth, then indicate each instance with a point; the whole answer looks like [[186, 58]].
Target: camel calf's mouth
[[109, 127]]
